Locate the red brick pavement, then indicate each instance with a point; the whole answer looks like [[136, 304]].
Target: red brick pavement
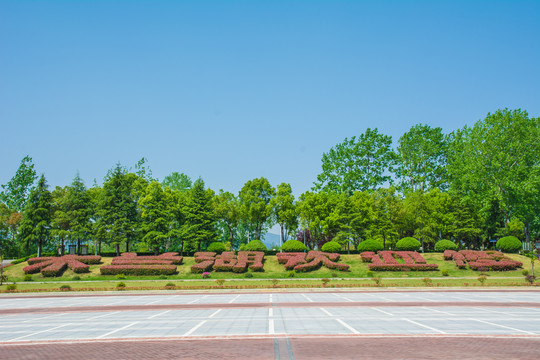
[[300, 348]]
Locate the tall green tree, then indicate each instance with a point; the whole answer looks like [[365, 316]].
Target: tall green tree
[[497, 161], [15, 193], [36, 222], [421, 161], [256, 207], [73, 212], [198, 229], [178, 181], [155, 216], [284, 210], [227, 210], [357, 164], [117, 209]]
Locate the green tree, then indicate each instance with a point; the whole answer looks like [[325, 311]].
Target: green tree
[[36, 222], [117, 209], [421, 161], [15, 193], [227, 211], [387, 207], [155, 216], [143, 171], [177, 181], [284, 211], [255, 204], [199, 225], [496, 162], [363, 164]]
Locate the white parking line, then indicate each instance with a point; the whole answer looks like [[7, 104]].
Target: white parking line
[[308, 299], [270, 312], [271, 330], [353, 330], [195, 328], [122, 328], [270, 300], [343, 297], [233, 299], [41, 318], [39, 332], [326, 312], [506, 327], [422, 325], [197, 299], [439, 311], [158, 314], [495, 311], [215, 313], [99, 316], [384, 312]]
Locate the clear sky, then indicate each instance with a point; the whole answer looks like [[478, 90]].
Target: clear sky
[[235, 90]]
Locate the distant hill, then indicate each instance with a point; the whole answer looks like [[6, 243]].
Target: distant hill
[[270, 240]]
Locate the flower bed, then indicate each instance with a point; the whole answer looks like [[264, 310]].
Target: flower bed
[[388, 261], [55, 266], [482, 260], [131, 264], [228, 261], [313, 260]]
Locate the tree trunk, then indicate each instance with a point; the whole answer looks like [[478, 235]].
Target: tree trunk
[[78, 246], [282, 236], [127, 245], [117, 247]]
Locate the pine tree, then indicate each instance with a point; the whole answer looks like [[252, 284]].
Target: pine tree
[[199, 226], [36, 222], [117, 208], [155, 216]]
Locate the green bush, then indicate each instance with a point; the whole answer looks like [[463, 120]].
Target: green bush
[[11, 287], [121, 285], [65, 287], [217, 247], [293, 246], [408, 244], [370, 245], [442, 245], [255, 245], [120, 276], [28, 277], [76, 277], [331, 247], [248, 275], [509, 244]]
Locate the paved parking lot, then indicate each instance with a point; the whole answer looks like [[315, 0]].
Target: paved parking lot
[[278, 320]]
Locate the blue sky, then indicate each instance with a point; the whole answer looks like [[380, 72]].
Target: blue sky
[[235, 90]]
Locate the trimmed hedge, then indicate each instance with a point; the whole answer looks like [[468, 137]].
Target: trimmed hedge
[[442, 245], [293, 246], [331, 247], [217, 247], [408, 244], [55, 266], [387, 261], [482, 260], [370, 245], [509, 244], [255, 245], [138, 270], [313, 260]]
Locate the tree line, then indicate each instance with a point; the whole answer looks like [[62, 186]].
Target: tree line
[[470, 186]]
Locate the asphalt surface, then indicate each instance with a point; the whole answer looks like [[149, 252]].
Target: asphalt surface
[[284, 324]]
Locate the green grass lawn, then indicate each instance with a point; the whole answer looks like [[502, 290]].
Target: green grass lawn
[[357, 276]]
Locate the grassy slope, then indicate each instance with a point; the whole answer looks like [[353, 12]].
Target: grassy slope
[[275, 270]]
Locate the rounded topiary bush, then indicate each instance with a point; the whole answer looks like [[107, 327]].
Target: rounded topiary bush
[[255, 245], [408, 244], [217, 247], [331, 247], [442, 245], [370, 245], [293, 246], [509, 244]]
